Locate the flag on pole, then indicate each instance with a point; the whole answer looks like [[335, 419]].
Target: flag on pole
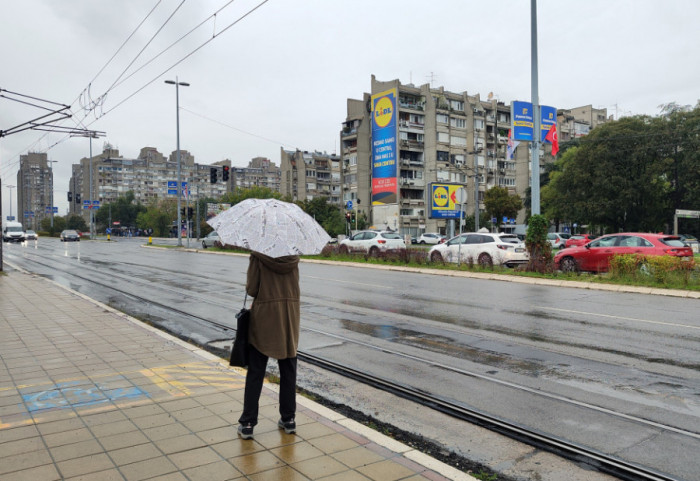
[[553, 138], [512, 145]]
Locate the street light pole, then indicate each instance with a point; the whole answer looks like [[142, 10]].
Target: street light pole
[[91, 134], [10, 187], [50, 162], [177, 84]]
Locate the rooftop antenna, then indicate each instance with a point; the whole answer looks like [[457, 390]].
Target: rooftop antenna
[[431, 78]]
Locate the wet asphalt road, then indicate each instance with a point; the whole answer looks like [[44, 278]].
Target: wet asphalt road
[[616, 372]]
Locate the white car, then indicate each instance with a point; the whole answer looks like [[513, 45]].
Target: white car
[[211, 240], [430, 238], [483, 248], [372, 242], [558, 239]]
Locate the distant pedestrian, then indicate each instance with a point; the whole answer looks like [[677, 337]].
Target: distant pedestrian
[[274, 332]]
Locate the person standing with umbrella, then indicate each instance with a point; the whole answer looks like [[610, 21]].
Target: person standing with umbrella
[[276, 233], [274, 332]]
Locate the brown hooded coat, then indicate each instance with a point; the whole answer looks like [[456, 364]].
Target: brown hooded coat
[[274, 320]]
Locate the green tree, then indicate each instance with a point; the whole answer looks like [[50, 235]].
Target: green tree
[[617, 178], [538, 246], [500, 203], [76, 222], [158, 216], [125, 211], [255, 192], [59, 224], [327, 215]]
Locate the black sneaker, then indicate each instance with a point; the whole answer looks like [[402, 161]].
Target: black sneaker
[[245, 431], [290, 427]]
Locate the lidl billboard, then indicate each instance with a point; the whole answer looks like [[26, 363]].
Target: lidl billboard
[[444, 203], [384, 152], [523, 124]]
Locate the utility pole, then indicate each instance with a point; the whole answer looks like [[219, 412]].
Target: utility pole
[[536, 134], [177, 84]]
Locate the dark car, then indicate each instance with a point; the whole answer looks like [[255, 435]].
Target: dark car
[[70, 236], [595, 256]]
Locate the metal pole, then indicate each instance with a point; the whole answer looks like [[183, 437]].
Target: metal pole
[[536, 134], [476, 198], [90, 206], [10, 187], [50, 162], [179, 172]]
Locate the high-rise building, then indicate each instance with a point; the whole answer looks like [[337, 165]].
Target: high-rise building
[[439, 137], [150, 176], [309, 175], [34, 189], [261, 172]]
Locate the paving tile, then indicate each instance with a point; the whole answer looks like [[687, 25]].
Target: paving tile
[[346, 476], [256, 462], [43, 473], [11, 464], [206, 423], [85, 465], [194, 457], [294, 453], [219, 435], [320, 467], [76, 450], [180, 443], [147, 469], [218, 471], [133, 454], [237, 447], [107, 475], [19, 432], [116, 427], [359, 456], [333, 443], [386, 470], [20, 446], [166, 432], [60, 426], [67, 437], [123, 440], [285, 473]]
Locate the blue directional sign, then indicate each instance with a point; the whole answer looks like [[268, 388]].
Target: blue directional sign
[[348, 205]]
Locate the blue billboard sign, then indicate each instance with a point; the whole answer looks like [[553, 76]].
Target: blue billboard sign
[[384, 152], [523, 123]]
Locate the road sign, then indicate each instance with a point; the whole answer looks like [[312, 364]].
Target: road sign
[[461, 195], [688, 214], [348, 205]]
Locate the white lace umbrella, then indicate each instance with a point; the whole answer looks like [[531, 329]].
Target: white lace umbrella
[[271, 227]]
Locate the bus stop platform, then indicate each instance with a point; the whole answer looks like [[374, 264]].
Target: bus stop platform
[[89, 393]]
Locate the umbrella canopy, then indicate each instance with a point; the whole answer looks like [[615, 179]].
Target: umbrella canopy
[[271, 227]]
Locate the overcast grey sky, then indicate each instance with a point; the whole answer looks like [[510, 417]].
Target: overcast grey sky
[[281, 75]]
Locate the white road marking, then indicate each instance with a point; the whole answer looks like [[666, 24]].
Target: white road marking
[[634, 319]]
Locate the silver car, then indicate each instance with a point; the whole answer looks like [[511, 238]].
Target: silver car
[[211, 240], [486, 249]]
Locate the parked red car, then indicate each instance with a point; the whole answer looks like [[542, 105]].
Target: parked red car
[[579, 240], [595, 256]]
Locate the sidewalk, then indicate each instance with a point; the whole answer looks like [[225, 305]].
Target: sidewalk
[[88, 393]]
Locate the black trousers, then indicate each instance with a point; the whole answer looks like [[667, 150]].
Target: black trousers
[[257, 365]]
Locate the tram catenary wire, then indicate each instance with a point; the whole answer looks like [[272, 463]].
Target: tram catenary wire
[[592, 458]]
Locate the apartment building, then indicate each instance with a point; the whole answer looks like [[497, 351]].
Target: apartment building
[[261, 172], [34, 189], [308, 175], [151, 176], [441, 137]]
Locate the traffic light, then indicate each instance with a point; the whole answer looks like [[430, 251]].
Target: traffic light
[[224, 174], [77, 198], [183, 211], [190, 212], [70, 196], [347, 216], [213, 175], [352, 218]]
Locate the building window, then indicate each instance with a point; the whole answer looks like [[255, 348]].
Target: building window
[[443, 156], [457, 122], [458, 141], [443, 137], [457, 105], [479, 124], [442, 118]]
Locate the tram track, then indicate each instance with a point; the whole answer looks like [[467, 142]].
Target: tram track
[[592, 458]]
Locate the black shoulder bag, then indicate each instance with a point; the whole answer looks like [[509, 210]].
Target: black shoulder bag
[[240, 349]]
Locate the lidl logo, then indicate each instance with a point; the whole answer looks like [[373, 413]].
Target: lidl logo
[[383, 111], [440, 196]]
